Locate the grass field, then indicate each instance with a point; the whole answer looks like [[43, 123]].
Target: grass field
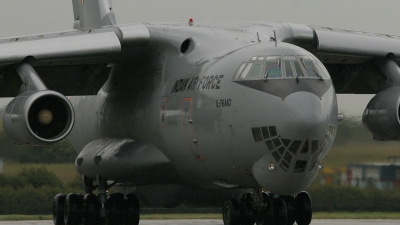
[[317, 215]]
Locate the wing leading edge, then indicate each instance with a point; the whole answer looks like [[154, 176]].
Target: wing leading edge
[[72, 63], [354, 59]]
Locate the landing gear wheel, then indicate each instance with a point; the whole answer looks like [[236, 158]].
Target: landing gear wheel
[[280, 211], [116, 209], [231, 212], [265, 216], [90, 210], [133, 210], [304, 210], [291, 209], [247, 209], [58, 209], [72, 209]]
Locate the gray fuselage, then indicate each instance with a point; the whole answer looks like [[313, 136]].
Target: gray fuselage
[[218, 126]]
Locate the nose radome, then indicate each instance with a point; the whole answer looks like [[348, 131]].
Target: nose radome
[[303, 132], [305, 117]]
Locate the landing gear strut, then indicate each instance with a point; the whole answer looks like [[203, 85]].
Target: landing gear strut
[[268, 209], [116, 209]]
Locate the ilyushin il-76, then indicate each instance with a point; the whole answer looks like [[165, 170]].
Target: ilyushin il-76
[[238, 115]]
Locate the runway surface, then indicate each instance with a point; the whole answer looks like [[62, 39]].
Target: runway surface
[[217, 222]]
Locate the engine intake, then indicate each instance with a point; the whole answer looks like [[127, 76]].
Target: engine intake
[[381, 117], [38, 118]]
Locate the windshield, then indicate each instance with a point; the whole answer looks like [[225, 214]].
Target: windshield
[[282, 67]]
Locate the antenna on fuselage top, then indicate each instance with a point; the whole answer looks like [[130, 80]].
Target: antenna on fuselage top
[[276, 41]]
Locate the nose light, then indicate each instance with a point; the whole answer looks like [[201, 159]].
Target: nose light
[[271, 166]]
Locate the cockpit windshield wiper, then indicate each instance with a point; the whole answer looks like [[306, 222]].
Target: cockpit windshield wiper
[[266, 76], [315, 71]]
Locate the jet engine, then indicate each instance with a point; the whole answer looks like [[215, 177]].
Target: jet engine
[[38, 118], [381, 117]]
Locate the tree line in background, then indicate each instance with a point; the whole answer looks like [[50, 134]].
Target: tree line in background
[[32, 190], [61, 152]]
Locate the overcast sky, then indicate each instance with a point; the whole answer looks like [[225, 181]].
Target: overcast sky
[[23, 17], [19, 17]]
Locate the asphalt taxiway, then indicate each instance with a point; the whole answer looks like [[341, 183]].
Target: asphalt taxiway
[[217, 222]]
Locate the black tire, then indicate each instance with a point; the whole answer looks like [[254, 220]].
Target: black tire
[[58, 209], [72, 209], [280, 211], [116, 209], [90, 210], [265, 216], [291, 209], [133, 209], [231, 212], [303, 208], [247, 211]]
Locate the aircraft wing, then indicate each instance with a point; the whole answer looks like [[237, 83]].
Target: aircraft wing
[[353, 58], [73, 62], [72, 45]]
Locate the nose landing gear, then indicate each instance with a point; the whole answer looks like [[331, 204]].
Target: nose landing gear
[[268, 209]]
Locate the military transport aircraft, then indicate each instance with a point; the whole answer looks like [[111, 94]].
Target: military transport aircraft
[[232, 114]]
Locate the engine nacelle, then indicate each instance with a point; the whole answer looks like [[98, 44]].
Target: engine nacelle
[[38, 118], [381, 117]]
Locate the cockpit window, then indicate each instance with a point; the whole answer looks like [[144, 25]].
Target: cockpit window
[[256, 72], [314, 69], [240, 70], [288, 69], [321, 69], [246, 70], [273, 68], [299, 70], [310, 68], [288, 66]]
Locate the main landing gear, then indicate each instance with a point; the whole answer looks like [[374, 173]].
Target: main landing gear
[[268, 209], [116, 209]]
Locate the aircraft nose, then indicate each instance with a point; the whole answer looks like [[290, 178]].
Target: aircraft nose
[[304, 131], [305, 116]]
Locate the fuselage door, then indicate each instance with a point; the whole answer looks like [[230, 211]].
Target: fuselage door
[[187, 125]]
